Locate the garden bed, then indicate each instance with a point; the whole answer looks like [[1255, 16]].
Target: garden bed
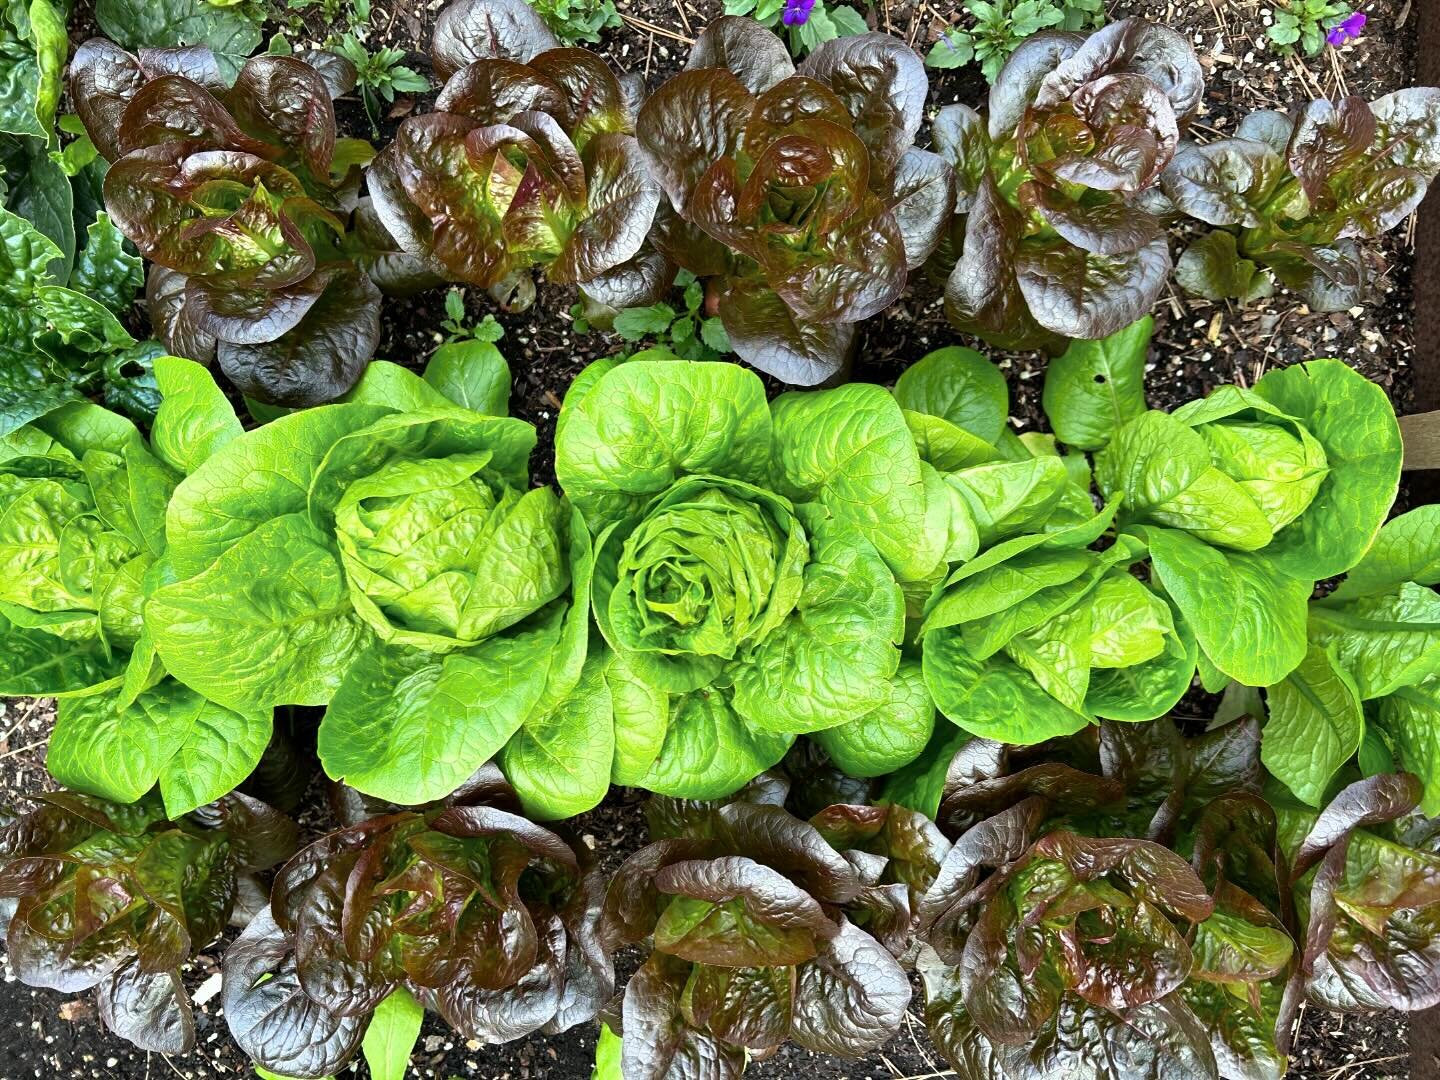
[[1197, 346]]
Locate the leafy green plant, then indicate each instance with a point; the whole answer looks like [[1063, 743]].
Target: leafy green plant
[[84, 500], [1132, 897], [1001, 25], [1056, 237], [1124, 889], [354, 14], [806, 24], [116, 897], [1368, 899], [34, 187], [574, 21], [746, 566], [1033, 634], [753, 919], [390, 1039], [1293, 200], [490, 919], [239, 195], [457, 328], [1368, 682], [230, 32], [529, 160], [1305, 23], [379, 75], [65, 342], [797, 196], [33, 47], [691, 334], [425, 559], [1244, 499]]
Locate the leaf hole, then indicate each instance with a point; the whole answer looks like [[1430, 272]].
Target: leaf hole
[[1100, 380]]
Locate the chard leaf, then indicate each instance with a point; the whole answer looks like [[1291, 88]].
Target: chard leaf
[[178, 22]]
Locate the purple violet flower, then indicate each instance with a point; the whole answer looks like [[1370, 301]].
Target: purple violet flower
[[797, 12], [1347, 31]]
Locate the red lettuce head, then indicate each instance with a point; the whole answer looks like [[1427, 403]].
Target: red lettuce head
[[529, 160], [798, 195], [240, 196], [1056, 236]]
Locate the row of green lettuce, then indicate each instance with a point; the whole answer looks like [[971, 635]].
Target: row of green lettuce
[[717, 575], [1126, 901]]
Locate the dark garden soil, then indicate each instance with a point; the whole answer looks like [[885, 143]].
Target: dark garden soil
[[1198, 345]]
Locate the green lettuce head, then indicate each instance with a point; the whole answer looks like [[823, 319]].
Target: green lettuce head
[[82, 531], [748, 560], [713, 568], [384, 557], [82, 504], [1246, 498], [443, 553]]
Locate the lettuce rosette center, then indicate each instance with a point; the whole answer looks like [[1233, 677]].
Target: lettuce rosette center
[[1279, 470], [746, 561], [446, 549], [714, 566]]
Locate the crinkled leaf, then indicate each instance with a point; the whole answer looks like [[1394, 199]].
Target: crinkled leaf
[[321, 357], [765, 332], [483, 29], [883, 85]]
